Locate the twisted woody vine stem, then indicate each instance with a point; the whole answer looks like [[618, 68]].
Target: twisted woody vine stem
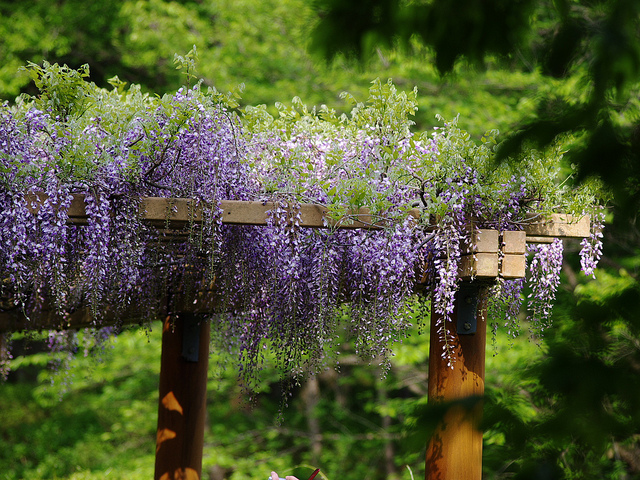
[[279, 286]]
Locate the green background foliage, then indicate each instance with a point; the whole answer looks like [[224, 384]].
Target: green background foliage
[[96, 416], [263, 45]]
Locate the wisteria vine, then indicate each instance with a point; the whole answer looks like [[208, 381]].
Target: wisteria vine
[[280, 286]]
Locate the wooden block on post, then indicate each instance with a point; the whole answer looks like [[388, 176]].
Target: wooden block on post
[[513, 266], [480, 265], [514, 242], [483, 240]]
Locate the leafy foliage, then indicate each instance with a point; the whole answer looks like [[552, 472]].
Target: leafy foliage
[[591, 52], [517, 441], [99, 413], [594, 46], [260, 44]]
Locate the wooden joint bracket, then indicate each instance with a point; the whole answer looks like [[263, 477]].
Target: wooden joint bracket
[[190, 337], [467, 304]]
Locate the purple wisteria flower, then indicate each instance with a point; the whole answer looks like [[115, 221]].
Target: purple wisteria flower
[[282, 290], [545, 266], [591, 250]]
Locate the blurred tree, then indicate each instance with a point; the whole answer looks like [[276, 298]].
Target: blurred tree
[[592, 47], [135, 40], [261, 43]]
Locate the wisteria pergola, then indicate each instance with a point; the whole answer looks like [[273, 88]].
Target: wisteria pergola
[[455, 450], [121, 207]]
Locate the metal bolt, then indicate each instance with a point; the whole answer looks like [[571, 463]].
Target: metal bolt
[[467, 326]]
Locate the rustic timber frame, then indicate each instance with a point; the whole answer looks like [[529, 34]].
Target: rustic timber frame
[[455, 450]]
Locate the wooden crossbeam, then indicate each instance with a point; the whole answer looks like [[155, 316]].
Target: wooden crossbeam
[[15, 320], [559, 225], [47, 318], [177, 212]]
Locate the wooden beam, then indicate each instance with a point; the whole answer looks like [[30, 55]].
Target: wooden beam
[[479, 265], [513, 242], [558, 225], [513, 266], [163, 211], [178, 212], [483, 241], [15, 320]]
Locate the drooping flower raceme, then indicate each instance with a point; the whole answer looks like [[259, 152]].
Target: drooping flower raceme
[[544, 267], [591, 250]]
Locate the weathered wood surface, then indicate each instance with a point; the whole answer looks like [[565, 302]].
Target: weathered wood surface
[[558, 225], [454, 451], [176, 212], [182, 402], [494, 254]]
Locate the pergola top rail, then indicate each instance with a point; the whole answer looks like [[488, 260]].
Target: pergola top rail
[[558, 225], [177, 212]]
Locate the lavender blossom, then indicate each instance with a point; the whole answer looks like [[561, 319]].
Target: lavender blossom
[[591, 250], [545, 267]]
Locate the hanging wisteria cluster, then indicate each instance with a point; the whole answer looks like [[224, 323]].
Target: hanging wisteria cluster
[[280, 286]]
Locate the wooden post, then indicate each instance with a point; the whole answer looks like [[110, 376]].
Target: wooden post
[[182, 405], [455, 449]]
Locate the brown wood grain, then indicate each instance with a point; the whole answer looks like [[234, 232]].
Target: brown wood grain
[[178, 212], [182, 403], [454, 451]]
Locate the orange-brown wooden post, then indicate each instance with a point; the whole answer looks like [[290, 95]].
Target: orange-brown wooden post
[[182, 406], [455, 449]]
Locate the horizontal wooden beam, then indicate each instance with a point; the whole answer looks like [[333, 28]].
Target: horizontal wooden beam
[[15, 320], [181, 211], [47, 319], [177, 212], [558, 225]]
